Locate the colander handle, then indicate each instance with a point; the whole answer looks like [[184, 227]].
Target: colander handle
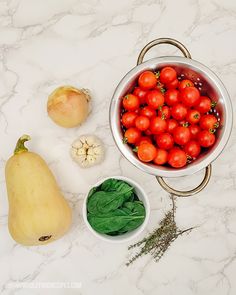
[[155, 42], [191, 192]]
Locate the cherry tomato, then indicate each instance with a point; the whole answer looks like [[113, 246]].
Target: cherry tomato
[[147, 152], [131, 102], [193, 116], [181, 135], [164, 112], [155, 99], [158, 125], [171, 125], [206, 138], [161, 157], [177, 158], [147, 80], [173, 85], [128, 119], [179, 111], [194, 130], [204, 104], [132, 135], [148, 112], [165, 141], [142, 123], [209, 122], [185, 83], [190, 96], [141, 94], [172, 97], [192, 149], [167, 75], [144, 139]]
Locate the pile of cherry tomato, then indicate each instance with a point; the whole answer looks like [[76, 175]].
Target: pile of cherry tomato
[[166, 120]]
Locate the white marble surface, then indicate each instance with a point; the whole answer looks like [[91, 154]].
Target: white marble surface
[[92, 44]]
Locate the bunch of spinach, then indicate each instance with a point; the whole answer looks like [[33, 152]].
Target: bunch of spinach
[[113, 208]]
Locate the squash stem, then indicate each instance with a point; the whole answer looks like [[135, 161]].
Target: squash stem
[[20, 145]]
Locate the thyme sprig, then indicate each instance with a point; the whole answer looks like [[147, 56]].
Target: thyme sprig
[[159, 241]]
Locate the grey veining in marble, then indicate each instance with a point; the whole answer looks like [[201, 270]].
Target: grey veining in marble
[[92, 44]]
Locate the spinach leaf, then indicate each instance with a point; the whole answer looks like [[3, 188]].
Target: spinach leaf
[[111, 222], [118, 186], [92, 191], [104, 202], [109, 185], [137, 209], [126, 210], [131, 198], [111, 200]]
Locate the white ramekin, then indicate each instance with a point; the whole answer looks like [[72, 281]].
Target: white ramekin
[[127, 236]]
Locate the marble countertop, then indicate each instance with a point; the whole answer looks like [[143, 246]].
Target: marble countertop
[[92, 44]]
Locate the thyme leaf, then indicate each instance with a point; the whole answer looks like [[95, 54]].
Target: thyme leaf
[[159, 241]]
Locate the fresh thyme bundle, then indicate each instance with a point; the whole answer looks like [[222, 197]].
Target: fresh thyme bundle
[[158, 242]]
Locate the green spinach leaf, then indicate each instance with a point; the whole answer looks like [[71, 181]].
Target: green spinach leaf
[[111, 200], [104, 202], [92, 191], [137, 209], [118, 186], [110, 222]]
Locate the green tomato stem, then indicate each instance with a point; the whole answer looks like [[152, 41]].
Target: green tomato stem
[[20, 145]]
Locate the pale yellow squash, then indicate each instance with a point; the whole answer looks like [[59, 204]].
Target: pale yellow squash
[[38, 212]]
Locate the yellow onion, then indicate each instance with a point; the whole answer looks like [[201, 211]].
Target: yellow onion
[[68, 106]]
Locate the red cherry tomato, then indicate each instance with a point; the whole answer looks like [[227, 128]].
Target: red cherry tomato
[[194, 130], [144, 139], [209, 122], [141, 94], [128, 119], [147, 80], [185, 83], [167, 75], [132, 135], [131, 102], [177, 158], [158, 125], [142, 123], [155, 99], [165, 141], [173, 85], [179, 111], [193, 116], [148, 112], [181, 135], [172, 97], [161, 157], [192, 149], [147, 152], [171, 125], [206, 138], [190, 96], [164, 112], [204, 104]]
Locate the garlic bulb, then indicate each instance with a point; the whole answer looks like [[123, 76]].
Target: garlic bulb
[[87, 151]]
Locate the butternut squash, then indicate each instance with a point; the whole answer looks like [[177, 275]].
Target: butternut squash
[[38, 212]]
